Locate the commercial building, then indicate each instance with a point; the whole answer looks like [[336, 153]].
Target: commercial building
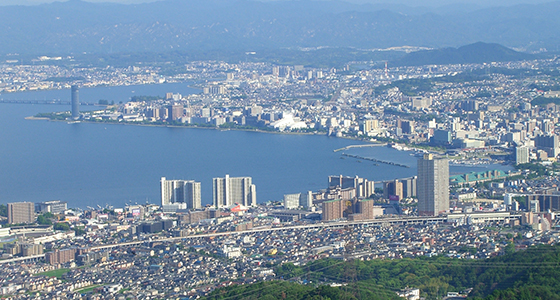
[[230, 190], [548, 143], [175, 112], [21, 212], [406, 126], [54, 207], [180, 191], [433, 185], [292, 201]]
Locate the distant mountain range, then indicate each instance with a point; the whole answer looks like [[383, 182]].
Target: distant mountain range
[[469, 54], [183, 25]]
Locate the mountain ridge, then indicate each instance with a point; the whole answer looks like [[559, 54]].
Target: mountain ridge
[[169, 25], [478, 52]]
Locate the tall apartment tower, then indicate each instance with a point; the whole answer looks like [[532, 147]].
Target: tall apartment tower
[[433, 185], [75, 102], [180, 191], [230, 190], [21, 212], [521, 155]]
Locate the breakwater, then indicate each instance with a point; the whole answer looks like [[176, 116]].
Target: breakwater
[[359, 146], [376, 160]]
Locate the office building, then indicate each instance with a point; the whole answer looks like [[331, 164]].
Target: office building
[[180, 191], [548, 143], [433, 185], [21, 212], [54, 207], [292, 201], [75, 102], [441, 137], [175, 112], [230, 190], [406, 126]]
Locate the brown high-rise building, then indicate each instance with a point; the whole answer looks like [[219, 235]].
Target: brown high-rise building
[[175, 112], [362, 210], [333, 209], [21, 212], [60, 256]]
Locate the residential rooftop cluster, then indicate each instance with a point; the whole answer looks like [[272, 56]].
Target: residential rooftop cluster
[[473, 114]]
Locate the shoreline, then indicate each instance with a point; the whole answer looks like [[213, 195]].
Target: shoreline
[[207, 128]]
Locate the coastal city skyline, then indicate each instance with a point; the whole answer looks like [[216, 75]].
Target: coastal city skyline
[[214, 150]]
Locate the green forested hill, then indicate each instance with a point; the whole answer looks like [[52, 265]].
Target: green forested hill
[[526, 274]]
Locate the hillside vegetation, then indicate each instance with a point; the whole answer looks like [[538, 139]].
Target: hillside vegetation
[[527, 274]]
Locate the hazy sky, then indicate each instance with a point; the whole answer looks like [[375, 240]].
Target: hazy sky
[[407, 2]]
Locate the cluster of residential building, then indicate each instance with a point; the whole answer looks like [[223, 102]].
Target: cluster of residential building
[[117, 257], [182, 249]]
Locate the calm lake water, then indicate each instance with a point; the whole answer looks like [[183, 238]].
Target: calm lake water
[[99, 164]]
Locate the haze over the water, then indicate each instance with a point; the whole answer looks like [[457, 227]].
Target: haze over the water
[[433, 3]]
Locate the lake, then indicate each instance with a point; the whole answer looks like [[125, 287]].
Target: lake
[[88, 164]]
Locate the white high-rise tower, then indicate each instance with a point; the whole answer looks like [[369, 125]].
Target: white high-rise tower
[[230, 190]]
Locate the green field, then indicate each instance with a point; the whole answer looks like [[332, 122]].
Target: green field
[[54, 273]]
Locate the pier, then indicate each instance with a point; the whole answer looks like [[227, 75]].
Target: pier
[[359, 146], [376, 160]]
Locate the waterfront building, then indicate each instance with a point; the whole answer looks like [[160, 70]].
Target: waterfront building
[[180, 191], [230, 190], [75, 102], [175, 112], [369, 125], [54, 207], [409, 187], [21, 212], [363, 187], [433, 185], [406, 126]]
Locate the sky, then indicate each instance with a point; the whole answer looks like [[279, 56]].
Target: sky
[[407, 2]]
